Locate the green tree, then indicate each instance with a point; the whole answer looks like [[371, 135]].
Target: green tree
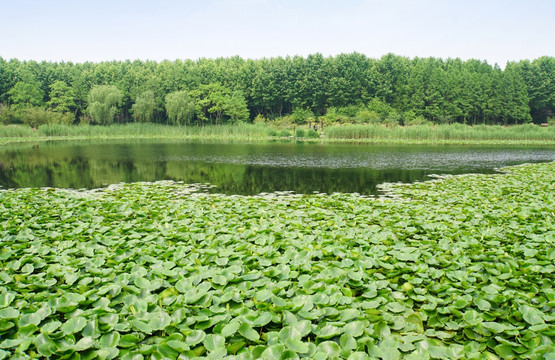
[[211, 101], [300, 115], [539, 77], [236, 107], [24, 95], [104, 103], [143, 108], [61, 97], [180, 108]]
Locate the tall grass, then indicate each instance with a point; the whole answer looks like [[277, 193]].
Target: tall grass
[[15, 131], [155, 130], [369, 132], [439, 133]]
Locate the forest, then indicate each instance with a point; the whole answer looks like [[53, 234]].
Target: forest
[[347, 88]]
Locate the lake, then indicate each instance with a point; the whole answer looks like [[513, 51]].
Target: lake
[[248, 168]]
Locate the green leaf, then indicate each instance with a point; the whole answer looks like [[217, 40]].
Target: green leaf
[[177, 345], [328, 331], [273, 352], [472, 317], [107, 353], [413, 323], [110, 339], [9, 313], [388, 349], [214, 342], [348, 342], [354, 328], [248, 332], [262, 319], [531, 315], [219, 280], [297, 345], [358, 355], [329, 348], [494, 327], [129, 340], [395, 307], [84, 344], [50, 327], [505, 351], [32, 318], [74, 325], [230, 328], [195, 337], [141, 326], [6, 299]]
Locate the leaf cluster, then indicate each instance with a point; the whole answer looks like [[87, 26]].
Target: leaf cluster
[[456, 268]]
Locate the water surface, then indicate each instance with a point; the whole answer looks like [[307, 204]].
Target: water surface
[[248, 168]]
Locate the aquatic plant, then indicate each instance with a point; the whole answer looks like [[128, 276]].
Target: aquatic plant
[[460, 267]]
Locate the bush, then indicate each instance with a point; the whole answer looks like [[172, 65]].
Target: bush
[[300, 115], [260, 119], [272, 132], [299, 133], [36, 116], [311, 133], [285, 133], [367, 116], [417, 120], [7, 115]]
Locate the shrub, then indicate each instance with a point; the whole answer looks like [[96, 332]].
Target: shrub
[[311, 133], [299, 133], [260, 119], [367, 116], [285, 133], [300, 115], [417, 120], [7, 115]]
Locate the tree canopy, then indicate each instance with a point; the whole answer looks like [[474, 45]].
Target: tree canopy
[[392, 89]]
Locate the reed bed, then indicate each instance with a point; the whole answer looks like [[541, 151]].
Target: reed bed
[[454, 132], [136, 130]]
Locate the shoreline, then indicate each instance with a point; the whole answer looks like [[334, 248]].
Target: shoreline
[[228, 138]]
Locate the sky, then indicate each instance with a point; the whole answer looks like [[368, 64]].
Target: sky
[[101, 30]]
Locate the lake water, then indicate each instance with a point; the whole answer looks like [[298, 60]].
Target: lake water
[[248, 168]]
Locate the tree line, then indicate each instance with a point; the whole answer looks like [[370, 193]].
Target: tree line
[[344, 88]]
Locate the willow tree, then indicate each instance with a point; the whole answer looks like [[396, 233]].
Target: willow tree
[[104, 103], [180, 108], [143, 108]]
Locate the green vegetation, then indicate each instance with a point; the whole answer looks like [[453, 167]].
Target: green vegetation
[[104, 102], [180, 108], [416, 134], [457, 268], [444, 133], [392, 90]]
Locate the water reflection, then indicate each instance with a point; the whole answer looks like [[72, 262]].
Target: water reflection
[[247, 168]]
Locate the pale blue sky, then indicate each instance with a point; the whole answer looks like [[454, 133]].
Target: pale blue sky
[[74, 30]]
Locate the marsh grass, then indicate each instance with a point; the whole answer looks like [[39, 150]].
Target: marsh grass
[[14, 131], [454, 132], [138, 130]]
